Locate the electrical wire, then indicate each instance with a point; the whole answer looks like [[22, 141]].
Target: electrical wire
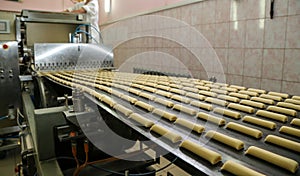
[[100, 36], [81, 31]]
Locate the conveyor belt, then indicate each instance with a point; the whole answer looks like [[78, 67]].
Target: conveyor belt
[[145, 94]]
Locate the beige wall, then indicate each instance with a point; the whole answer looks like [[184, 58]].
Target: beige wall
[[11, 17], [254, 50]]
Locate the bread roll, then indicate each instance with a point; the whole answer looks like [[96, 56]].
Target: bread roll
[[238, 95], [295, 122], [164, 102], [294, 101], [272, 115], [289, 105], [253, 104], [260, 91], [195, 96], [201, 87], [216, 101], [181, 99], [164, 114], [260, 122], [219, 91], [283, 95], [134, 91], [164, 93], [173, 137], [202, 105], [290, 131], [149, 89], [282, 110], [145, 106], [190, 125], [109, 101], [278, 160], [129, 99], [238, 169], [184, 109], [271, 97], [238, 87], [178, 91], [147, 96], [162, 87], [207, 154], [241, 108], [282, 142], [263, 100], [229, 89], [233, 114], [210, 118], [190, 89], [141, 120], [228, 98], [123, 109], [207, 93], [230, 141], [296, 97], [252, 94], [245, 130]]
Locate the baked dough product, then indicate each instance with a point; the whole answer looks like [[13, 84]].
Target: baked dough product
[[285, 143], [207, 154], [144, 106], [164, 93], [219, 91], [123, 109], [238, 95], [295, 122], [281, 161], [245, 130], [190, 89], [147, 96], [228, 98], [134, 91], [253, 104], [190, 125], [229, 89], [164, 114], [202, 105], [260, 122], [296, 97], [282, 110], [221, 84], [109, 101], [149, 89], [173, 137], [184, 109], [177, 91], [238, 87], [272, 115], [238, 169], [178, 86], [290, 131], [207, 93], [216, 101], [201, 87], [129, 98], [195, 96], [241, 108], [162, 87], [141, 120], [181, 99], [289, 105], [263, 100], [283, 95], [252, 94], [294, 101], [210, 118], [233, 114], [164, 102], [212, 86], [230, 141], [260, 91], [271, 97]]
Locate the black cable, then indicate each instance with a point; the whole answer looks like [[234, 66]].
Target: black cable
[[110, 171]]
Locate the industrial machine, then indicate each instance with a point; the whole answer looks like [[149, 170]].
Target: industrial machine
[[83, 117]]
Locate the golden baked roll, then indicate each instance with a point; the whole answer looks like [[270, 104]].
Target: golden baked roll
[[190, 125], [283, 142], [230, 141], [260, 122], [211, 118], [173, 137], [238, 169], [245, 130], [272, 115], [229, 113]]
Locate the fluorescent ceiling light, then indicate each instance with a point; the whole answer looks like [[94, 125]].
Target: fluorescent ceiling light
[[107, 6]]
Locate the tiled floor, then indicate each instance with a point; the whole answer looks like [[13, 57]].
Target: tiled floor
[[8, 164]]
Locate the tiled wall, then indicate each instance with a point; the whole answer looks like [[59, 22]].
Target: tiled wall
[[254, 50]]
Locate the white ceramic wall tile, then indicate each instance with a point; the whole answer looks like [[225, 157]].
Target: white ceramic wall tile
[[275, 30], [291, 88], [235, 61], [222, 35], [208, 31], [271, 85], [294, 7], [273, 64], [291, 70], [293, 34], [251, 82], [223, 11], [196, 14], [223, 58], [254, 33], [208, 12], [280, 8], [185, 14], [254, 9], [253, 62], [237, 34], [238, 10]]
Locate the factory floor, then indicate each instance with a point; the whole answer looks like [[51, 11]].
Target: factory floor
[[12, 158]]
